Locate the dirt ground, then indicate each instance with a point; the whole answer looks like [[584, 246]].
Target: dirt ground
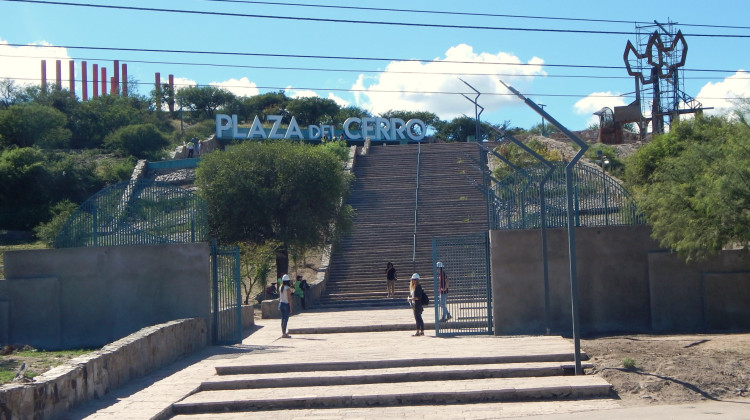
[[673, 369]]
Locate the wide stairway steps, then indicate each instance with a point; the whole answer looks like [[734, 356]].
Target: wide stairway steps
[[395, 382], [383, 197]]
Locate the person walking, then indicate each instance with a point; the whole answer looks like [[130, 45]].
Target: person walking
[[415, 300], [285, 303], [390, 280], [443, 289]]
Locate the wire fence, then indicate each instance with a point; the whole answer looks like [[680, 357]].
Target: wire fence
[[599, 200], [469, 297], [136, 213]]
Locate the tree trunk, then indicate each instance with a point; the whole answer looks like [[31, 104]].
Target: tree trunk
[[282, 262]]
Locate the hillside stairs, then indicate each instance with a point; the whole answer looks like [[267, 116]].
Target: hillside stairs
[[383, 196]]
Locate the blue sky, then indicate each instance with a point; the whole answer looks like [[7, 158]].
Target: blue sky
[[570, 94]]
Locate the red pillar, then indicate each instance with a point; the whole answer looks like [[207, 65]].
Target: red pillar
[[171, 93], [112, 86], [84, 81], [124, 79], [95, 80], [58, 74], [104, 81], [72, 81], [157, 81], [44, 74], [117, 78]]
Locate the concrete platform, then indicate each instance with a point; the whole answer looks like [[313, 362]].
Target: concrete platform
[[179, 385]]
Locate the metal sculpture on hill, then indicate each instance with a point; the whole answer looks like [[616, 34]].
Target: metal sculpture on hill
[[656, 68]]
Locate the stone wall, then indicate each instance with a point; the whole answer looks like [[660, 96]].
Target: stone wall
[[95, 374], [88, 297], [626, 283]]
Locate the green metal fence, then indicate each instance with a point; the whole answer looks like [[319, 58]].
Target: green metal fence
[[226, 295], [469, 299], [136, 213], [599, 199]]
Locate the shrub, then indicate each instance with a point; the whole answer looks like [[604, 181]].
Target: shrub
[[628, 363], [143, 141]]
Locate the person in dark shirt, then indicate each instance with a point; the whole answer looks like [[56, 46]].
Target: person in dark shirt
[[415, 300]]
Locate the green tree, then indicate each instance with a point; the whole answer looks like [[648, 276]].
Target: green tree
[[521, 158], [548, 129], [256, 261], [204, 101], [312, 110], [99, 117], [10, 93], [349, 112], [275, 191], [693, 184], [61, 212], [272, 103], [143, 141], [31, 124], [32, 181], [428, 118]]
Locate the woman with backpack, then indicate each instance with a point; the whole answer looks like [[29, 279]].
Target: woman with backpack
[[415, 300], [285, 303]]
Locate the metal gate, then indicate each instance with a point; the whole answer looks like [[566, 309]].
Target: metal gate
[[469, 300], [226, 295]]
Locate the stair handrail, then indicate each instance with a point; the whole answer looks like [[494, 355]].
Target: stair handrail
[[416, 210]]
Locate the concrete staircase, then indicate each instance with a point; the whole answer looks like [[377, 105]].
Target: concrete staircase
[[384, 383], [384, 197]]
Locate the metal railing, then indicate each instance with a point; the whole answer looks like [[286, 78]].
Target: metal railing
[[416, 210]]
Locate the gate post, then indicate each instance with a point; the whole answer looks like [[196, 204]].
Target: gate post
[[214, 292]]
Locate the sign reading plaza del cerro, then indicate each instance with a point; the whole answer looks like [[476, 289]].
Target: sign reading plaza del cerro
[[354, 128]]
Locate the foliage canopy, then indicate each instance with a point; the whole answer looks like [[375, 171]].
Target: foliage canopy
[[259, 192], [693, 184]]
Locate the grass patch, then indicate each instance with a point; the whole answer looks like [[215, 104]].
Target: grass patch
[[628, 363], [37, 361]]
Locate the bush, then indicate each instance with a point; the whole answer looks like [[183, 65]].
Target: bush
[[112, 171], [628, 363], [143, 141], [47, 232]]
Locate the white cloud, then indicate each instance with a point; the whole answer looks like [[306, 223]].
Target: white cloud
[[720, 95], [181, 82], [241, 87], [339, 101], [23, 64], [412, 85], [595, 102], [295, 94], [598, 100]]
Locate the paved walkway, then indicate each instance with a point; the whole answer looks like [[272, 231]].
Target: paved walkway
[[151, 397]]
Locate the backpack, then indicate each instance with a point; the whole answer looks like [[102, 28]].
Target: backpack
[[425, 298]]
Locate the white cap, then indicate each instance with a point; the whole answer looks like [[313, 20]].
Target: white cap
[[439, 264], [415, 276], [285, 277]]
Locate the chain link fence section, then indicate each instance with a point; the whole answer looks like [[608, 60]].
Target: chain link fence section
[[226, 295], [598, 198], [140, 212], [469, 299]]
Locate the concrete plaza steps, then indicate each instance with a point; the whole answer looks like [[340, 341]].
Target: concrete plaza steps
[[393, 382], [395, 394]]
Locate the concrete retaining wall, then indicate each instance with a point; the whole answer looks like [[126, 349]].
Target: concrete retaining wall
[[88, 297], [625, 283], [95, 374]]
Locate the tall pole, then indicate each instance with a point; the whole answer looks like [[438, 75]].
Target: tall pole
[[571, 223], [542, 107]]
